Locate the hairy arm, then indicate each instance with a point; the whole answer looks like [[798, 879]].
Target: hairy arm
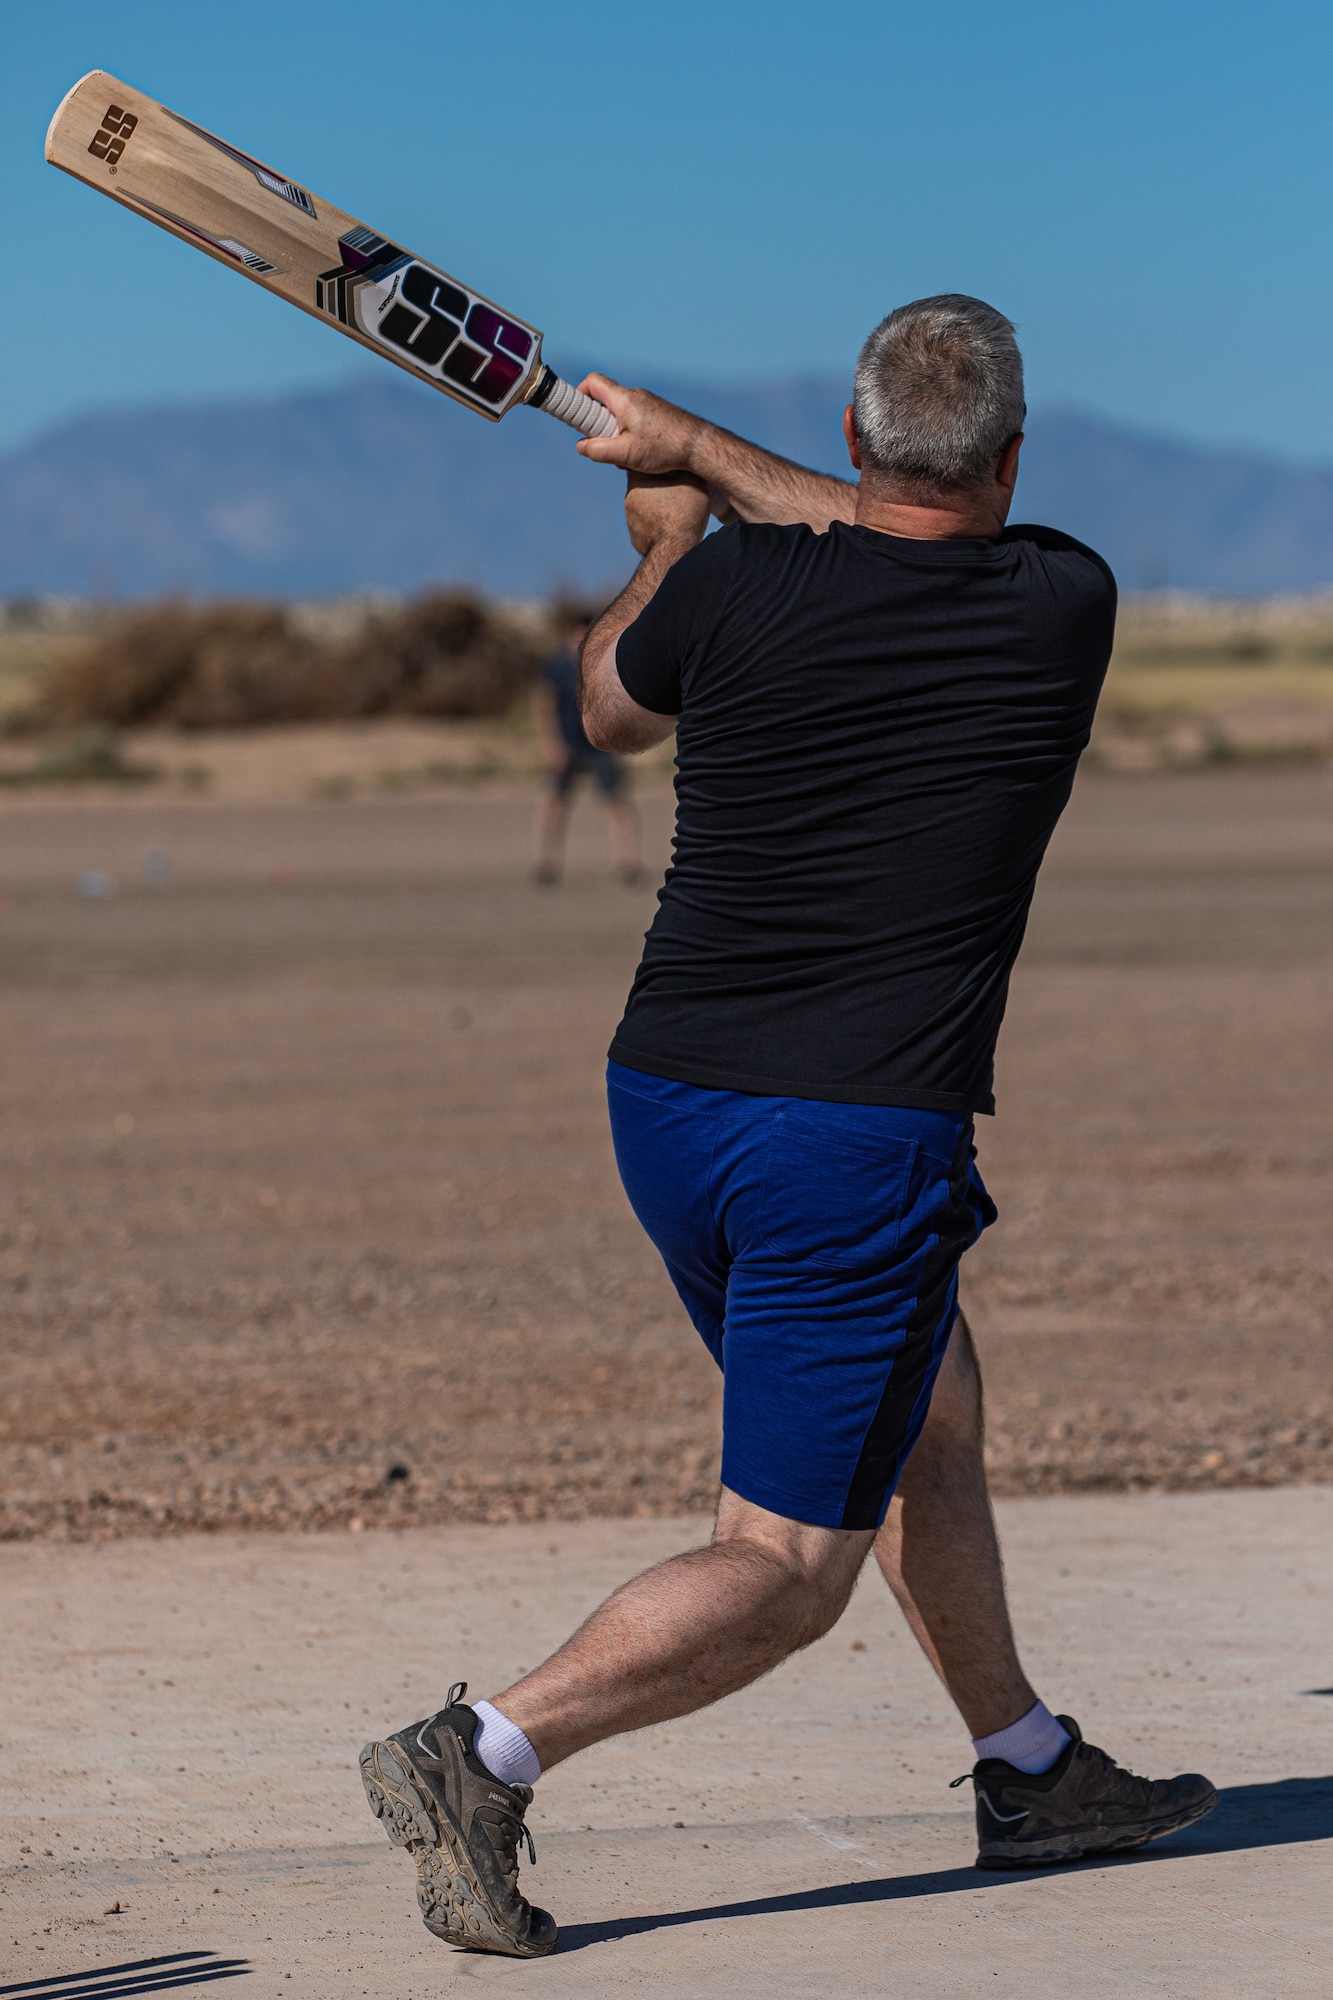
[[657, 437], [666, 518]]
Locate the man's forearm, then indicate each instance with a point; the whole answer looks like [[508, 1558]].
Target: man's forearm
[[659, 438], [763, 487], [613, 721]]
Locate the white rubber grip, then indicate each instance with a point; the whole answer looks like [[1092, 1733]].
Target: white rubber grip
[[579, 411]]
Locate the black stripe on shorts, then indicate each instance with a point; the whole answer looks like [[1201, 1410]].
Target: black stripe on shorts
[[890, 1437]]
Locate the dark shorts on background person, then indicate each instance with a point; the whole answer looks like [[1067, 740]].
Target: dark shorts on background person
[[603, 766], [815, 1246]]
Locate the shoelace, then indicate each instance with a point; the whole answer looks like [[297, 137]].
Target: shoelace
[[1108, 1769], [1105, 1764], [509, 1860]]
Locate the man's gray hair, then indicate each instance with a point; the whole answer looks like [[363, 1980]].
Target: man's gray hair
[[939, 392]]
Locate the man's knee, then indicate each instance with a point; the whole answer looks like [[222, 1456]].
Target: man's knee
[[809, 1571], [814, 1596]]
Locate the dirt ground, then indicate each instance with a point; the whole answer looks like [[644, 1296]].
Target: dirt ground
[[309, 1215]]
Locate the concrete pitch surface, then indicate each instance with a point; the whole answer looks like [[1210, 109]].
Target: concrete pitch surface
[[181, 1721]]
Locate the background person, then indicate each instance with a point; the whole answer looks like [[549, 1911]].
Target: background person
[[881, 697], [569, 755]]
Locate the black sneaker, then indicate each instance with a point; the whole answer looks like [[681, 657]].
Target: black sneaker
[[462, 1828], [1085, 1804]]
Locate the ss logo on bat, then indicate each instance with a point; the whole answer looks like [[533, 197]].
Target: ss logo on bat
[[109, 140], [486, 363]]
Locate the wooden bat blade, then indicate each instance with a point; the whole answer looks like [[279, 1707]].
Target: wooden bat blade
[[254, 219]]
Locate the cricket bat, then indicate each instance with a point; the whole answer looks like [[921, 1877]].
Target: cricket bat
[[257, 221]]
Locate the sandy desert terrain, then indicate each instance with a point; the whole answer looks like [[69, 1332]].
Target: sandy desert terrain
[[310, 1215]]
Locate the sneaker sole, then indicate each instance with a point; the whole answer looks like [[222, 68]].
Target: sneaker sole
[[1078, 1846], [451, 1897]]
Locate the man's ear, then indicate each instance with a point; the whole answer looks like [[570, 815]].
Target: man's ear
[[1006, 472], [849, 432]]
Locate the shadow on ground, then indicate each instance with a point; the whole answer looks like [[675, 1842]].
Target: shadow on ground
[[1247, 1816], [138, 1975]]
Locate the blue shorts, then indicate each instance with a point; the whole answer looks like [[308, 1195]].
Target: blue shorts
[[602, 765], [815, 1246]]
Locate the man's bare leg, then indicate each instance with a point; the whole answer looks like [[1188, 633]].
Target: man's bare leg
[[693, 1629], [675, 1639], [623, 824], [706, 1623], [941, 1558], [552, 819]]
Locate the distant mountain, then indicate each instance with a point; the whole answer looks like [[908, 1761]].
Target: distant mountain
[[1165, 513], [383, 484]]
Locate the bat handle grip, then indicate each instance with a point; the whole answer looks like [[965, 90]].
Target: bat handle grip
[[561, 399]]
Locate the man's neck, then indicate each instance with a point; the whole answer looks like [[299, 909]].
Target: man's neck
[[975, 515]]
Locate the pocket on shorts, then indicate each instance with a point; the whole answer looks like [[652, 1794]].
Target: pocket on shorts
[[834, 1198]]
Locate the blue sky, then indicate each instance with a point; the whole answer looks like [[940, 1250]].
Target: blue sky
[[728, 188]]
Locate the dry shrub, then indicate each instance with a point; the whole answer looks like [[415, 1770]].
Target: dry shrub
[[223, 666], [249, 666], [447, 654], [215, 666]]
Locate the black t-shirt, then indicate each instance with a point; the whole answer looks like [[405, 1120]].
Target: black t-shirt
[[876, 739]]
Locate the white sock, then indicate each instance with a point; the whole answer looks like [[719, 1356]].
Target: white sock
[[1031, 1744], [503, 1748]]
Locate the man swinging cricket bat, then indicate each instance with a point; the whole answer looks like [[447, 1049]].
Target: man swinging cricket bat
[[882, 693]]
